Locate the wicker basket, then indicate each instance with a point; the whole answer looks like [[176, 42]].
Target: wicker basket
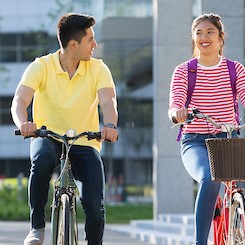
[[227, 158]]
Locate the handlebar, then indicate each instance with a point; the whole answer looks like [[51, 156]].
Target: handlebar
[[43, 132], [224, 127], [197, 114]]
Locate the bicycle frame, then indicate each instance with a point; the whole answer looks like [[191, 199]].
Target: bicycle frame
[[64, 185], [65, 191], [63, 217]]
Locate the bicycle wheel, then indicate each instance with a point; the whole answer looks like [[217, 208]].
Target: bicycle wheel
[[73, 223], [237, 225], [63, 222], [54, 223]]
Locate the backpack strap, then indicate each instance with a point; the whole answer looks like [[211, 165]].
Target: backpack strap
[[192, 73], [232, 72]]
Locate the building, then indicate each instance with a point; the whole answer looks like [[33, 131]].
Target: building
[[124, 33], [127, 43]]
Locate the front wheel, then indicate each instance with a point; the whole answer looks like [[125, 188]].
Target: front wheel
[[237, 224], [63, 221], [73, 223]]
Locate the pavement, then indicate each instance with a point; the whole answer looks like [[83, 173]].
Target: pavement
[[13, 233]]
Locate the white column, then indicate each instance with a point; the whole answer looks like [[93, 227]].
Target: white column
[[173, 188]]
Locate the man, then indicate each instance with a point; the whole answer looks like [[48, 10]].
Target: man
[[66, 88]]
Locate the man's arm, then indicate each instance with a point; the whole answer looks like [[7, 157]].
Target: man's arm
[[22, 99], [108, 104]]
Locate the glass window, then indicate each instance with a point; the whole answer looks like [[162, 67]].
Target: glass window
[[129, 59], [23, 47], [135, 8], [5, 115], [8, 40], [8, 55], [28, 39]]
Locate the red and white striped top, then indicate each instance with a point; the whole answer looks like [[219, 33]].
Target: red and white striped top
[[212, 94]]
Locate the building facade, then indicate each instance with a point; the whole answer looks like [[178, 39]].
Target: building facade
[[139, 42], [28, 30]]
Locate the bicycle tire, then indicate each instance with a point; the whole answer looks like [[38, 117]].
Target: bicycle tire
[[63, 222], [237, 225], [73, 222], [54, 223]]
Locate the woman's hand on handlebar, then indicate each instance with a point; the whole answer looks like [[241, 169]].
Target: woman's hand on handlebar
[[180, 115], [28, 129]]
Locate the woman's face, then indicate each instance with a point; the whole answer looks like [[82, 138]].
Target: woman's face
[[206, 38]]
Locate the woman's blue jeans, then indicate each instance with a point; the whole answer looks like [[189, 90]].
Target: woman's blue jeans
[[88, 169], [195, 159]]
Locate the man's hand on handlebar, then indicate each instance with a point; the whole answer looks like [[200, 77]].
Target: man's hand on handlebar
[[109, 134], [28, 129]]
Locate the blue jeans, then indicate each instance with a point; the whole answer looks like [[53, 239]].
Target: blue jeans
[[195, 159], [88, 169]]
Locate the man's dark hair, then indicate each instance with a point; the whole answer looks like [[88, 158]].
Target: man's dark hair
[[72, 26]]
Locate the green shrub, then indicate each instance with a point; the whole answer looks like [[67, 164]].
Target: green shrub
[[13, 203], [14, 206]]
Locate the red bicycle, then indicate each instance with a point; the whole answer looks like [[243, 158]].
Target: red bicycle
[[227, 164]]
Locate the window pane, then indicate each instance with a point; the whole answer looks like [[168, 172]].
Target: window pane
[[28, 39], [6, 118], [5, 115], [30, 53], [8, 55], [8, 39], [22, 47]]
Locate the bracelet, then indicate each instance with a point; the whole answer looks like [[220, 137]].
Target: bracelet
[[110, 125]]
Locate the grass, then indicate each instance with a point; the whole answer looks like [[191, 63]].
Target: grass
[[14, 206], [126, 212], [122, 213]]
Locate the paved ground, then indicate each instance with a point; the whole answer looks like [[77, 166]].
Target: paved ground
[[13, 233]]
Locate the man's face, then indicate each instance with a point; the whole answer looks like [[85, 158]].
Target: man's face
[[86, 47]]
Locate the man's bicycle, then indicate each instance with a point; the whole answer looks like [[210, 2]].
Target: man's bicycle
[[227, 164], [63, 220]]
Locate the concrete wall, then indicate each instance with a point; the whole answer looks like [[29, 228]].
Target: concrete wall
[[232, 14], [173, 188]]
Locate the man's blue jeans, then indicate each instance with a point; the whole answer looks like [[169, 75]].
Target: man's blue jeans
[[195, 159], [88, 169]]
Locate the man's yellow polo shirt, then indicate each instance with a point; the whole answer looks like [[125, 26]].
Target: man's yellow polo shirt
[[60, 103]]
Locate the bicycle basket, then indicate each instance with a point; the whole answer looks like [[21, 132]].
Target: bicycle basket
[[226, 158]]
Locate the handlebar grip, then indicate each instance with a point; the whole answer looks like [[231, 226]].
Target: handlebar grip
[[94, 135], [108, 141], [17, 132]]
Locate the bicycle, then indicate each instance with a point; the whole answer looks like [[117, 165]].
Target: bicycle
[[227, 164], [64, 229]]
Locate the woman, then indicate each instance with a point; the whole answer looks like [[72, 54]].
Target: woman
[[213, 96]]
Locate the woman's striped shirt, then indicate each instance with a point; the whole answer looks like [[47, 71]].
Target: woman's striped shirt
[[212, 94]]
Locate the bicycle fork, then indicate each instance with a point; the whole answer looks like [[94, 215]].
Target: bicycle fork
[[64, 191]]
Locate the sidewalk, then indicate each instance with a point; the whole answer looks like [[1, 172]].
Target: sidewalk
[[13, 233]]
